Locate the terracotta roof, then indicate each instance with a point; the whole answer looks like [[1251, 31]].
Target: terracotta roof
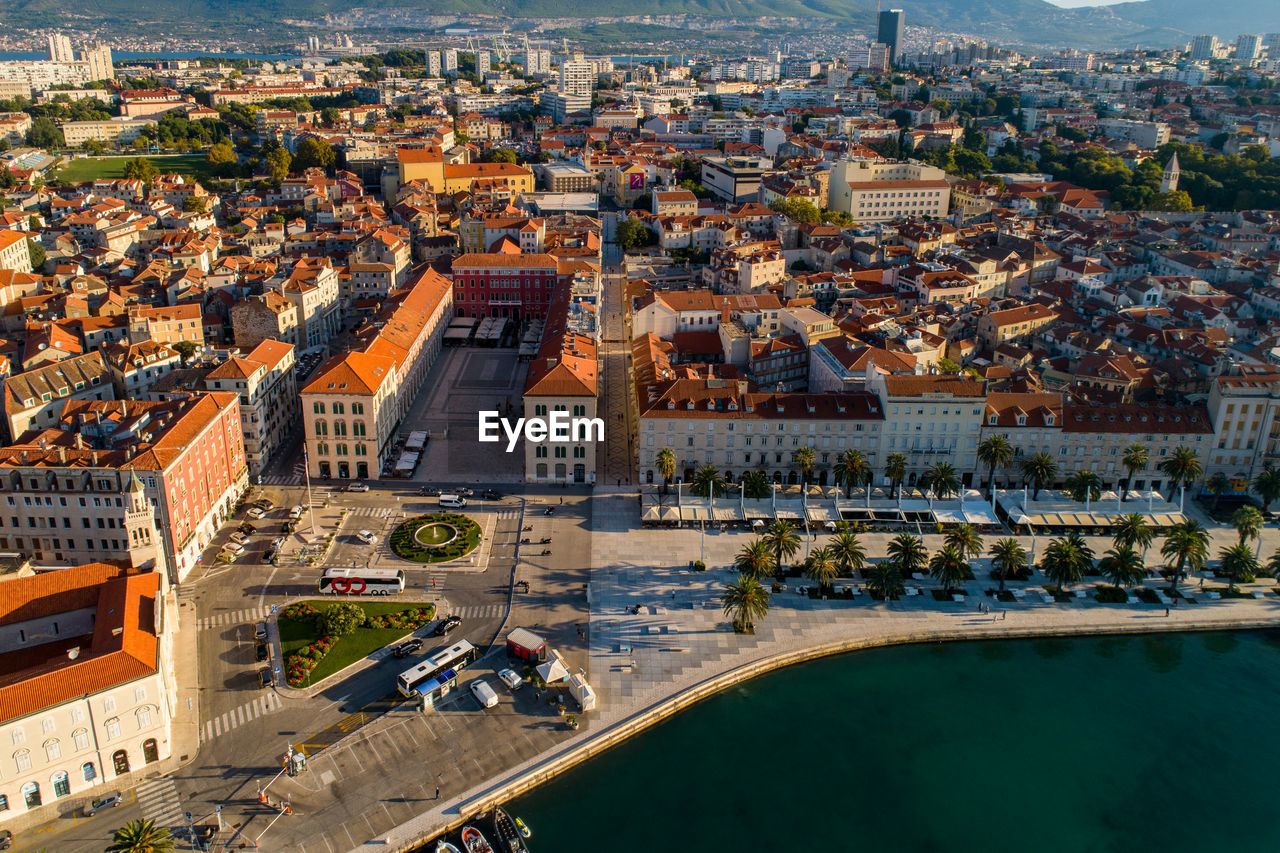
[[956, 386], [123, 647], [351, 373]]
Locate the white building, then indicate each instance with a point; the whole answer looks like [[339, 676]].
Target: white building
[[92, 696]]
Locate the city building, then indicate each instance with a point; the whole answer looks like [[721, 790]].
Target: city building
[[877, 191], [88, 689], [563, 378], [266, 382], [892, 31]]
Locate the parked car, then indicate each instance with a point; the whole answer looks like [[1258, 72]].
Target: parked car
[[269, 556], [108, 802], [484, 694], [236, 548], [238, 538], [358, 487], [225, 556], [367, 537], [510, 678], [6, 839], [464, 492], [491, 495], [446, 625], [260, 631], [296, 513], [266, 678], [429, 491], [406, 648], [261, 652], [257, 512]]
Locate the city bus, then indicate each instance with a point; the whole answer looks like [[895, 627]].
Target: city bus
[[438, 674], [362, 582]]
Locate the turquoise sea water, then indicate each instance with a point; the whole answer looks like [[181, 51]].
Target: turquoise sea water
[[1152, 743]]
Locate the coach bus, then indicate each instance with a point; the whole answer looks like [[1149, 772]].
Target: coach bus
[[362, 582], [436, 676]]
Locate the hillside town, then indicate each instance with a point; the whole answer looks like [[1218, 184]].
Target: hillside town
[[948, 270]]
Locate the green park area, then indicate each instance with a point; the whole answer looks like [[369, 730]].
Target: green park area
[[109, 168], [435, 538], [316, 644]]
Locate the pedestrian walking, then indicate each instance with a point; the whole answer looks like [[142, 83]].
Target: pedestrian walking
[[437, 792], [1166, 611], [1003, 613]]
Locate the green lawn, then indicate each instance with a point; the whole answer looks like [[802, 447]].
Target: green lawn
[[296, 634], [94, 168]]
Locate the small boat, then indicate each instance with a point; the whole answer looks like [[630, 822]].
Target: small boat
[[474, 841], [509, 835], [524, 829], [445, 847]]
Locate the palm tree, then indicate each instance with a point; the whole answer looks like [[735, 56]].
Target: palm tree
[[908, 552], [666, 460], [848, 552], [1132, 531], [851, 469], [966, 540], [1039, 470], [1247, 521], [802, 459], [1182, 467], [745, 601], [885, 580], [1186, 546], [708, 481], [755, 485], [895, 468], [1008, 557], [141, 836], [1238, 562], [1084, 486], [994, 451], [1122, 566], [754, 559], [1219, 484], [782, 540], [942, 478], [1134, 460], [821, 568], [948, 567], [1067, 559], [1267, 486], [1272, 568]]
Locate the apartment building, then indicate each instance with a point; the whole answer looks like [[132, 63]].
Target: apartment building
[[719, 422], [1243, 408], [266, 382], [74, 490], [15, 254], [877, 191], [267, 316], [167, 325], [505, 285], [35, 399], [930, 419], [136, 367], [91, 694], [110, 131], [354, 403], [563, 378], [734, 179], [1013, 324]]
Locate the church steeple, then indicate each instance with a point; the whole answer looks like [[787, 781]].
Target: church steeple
[[1169, 180]]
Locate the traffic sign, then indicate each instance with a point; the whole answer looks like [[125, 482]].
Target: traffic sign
[[277, 669], [188, 817], [275, 608]]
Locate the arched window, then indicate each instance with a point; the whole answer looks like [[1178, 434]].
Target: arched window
[[339, 428], [90, 772], [22, 758], [150, 751], [120, 761], [144, 717], [322, 428], [31, 795], [81, 738], [61, 785], [52, 750]]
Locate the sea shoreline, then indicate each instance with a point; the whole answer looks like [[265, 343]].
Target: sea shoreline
[[541, 769]]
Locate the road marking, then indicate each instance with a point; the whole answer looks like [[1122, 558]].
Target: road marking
[[217, 727]]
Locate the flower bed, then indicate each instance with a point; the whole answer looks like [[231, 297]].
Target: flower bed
[[406, 543], [309, 656]]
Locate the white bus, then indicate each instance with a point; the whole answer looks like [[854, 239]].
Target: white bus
[[362, 582], [438, 674]]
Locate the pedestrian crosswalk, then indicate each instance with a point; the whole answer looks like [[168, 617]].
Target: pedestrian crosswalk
[[233, 719], [233, 617], [282, 480], [509, 513], [160, 803], [373, 511], [479, 611]]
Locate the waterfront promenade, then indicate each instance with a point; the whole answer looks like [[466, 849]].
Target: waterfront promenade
[[679, 647]]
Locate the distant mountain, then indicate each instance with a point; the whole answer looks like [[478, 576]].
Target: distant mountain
[[1149, 22]]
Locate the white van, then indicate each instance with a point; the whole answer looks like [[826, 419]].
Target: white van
[[452, 501], [484, 694]]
